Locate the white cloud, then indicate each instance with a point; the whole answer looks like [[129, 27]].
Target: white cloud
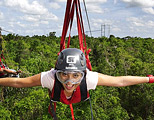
[[59, 0], [87, 1], [146, 5], [37, 18], [55, 5], [136, 21], [140, 25], [150, 24], [33, 8], [94, 8], [116, 29], [1, 15], [36, 24], [149, 10], [30, 18], [50, 16], [25, 6], [92, 5], [44, 22], [101, 21], [11, 24], [94, 1], [20, 24], [141, 3]]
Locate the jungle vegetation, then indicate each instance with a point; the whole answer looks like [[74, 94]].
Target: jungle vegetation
[[113, 56]]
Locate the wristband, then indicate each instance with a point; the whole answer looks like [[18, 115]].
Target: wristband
[[151, 78]]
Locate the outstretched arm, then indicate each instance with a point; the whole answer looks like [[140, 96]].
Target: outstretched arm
[[21, 82], [8, 71], [120, 81]]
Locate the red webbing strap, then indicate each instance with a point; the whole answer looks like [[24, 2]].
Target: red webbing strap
[[82, 34], [71, 107], [55, 106], [79, 28], [65, 25], [1, 74], [53, 111], [49, 110], [85, 47], [2, 56], [69, 15], [71, 20]]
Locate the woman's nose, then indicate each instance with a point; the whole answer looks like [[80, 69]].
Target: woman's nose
[[70, 77]]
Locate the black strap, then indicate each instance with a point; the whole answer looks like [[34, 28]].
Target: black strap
[[83, 89], [57, 90], [53, 111], [91, 108], [4, 76]]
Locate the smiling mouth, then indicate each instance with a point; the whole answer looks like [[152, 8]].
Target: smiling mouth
[[69, 86]]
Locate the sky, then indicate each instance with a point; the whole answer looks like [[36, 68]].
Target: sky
[[120, 18]]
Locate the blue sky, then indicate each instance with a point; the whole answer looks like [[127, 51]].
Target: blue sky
[[121, 18]]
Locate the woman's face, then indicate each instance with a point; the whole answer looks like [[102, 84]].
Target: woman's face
[[69, 87], [70, 80]]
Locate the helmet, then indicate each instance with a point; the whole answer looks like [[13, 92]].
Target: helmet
[[71, 59]]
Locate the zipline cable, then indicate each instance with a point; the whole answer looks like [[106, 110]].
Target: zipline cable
[[6, 31], [87, 17]]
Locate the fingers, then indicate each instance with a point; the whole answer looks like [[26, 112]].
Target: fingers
[[19, 71]]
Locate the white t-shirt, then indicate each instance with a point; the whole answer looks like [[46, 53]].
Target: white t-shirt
[[48, 78]]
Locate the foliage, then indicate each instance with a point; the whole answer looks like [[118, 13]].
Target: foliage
[[112, 56]]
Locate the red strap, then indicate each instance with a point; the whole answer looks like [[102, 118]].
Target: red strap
[[1, 74], [2, 56], [69, 15], [55, 106], [84, 47], [65, 25], [71, 107], [79, 29], [49, 108], [82, 34], [71, 18], [151, 78], [149, 75]]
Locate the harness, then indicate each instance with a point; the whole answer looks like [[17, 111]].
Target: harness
[[81, 93], [57, 95]]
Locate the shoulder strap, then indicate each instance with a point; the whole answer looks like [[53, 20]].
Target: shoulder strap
[[83, 90], [57, 90]]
